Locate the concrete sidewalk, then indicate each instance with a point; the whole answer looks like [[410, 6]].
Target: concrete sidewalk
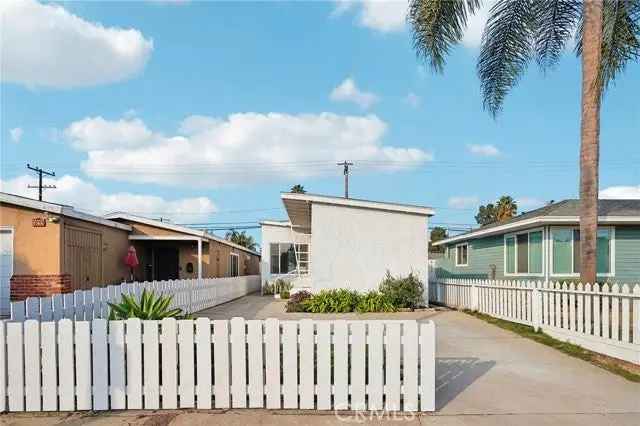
[[485, 376]]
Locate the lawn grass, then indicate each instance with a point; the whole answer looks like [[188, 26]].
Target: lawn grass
[[624, 369]]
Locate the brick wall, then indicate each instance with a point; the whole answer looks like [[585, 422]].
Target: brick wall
[[23, 286]]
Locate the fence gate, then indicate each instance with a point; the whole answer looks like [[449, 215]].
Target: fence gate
[[101, 365]]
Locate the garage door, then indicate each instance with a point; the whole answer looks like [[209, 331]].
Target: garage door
[[83, 257], [6, 268]]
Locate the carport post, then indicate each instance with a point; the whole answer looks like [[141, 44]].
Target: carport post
[[199, 258]]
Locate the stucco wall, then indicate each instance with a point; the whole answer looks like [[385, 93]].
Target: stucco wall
[[277, 234], [352, 247], [37, 251], [115, 243]]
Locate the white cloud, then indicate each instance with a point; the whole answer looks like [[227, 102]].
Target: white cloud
[[413, 100], [16, 134], [86, 196], [93, 133], [483, 150], [46, 45], [475, 26], [348, 91], [621, 192], [390, 16], [243, 148], [379, 15], [529, 203], [464, 202]]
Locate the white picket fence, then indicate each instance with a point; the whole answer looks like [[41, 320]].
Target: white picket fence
[[602, 318], [191, 295], [133, 364]]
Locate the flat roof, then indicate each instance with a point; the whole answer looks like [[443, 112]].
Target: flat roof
[[177, 228], [298, 206], [60, 209]]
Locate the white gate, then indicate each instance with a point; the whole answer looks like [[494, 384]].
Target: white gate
[[6, 268]]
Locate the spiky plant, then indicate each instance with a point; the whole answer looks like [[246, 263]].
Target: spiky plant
[[149, 307], [520, 31]]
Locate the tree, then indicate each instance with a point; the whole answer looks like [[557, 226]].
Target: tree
[[298, 189], [438, 233], [241, 238], [486, 214], [506, 208], [519, 31]]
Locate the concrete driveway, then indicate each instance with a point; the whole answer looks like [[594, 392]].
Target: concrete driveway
[[485, 376]]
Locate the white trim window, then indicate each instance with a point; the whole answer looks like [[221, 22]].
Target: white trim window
[[288, 258], [565, 251], [523, 253], [462, 254], [234, 265]]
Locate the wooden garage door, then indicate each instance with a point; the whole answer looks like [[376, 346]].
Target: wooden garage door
[[83, 257]]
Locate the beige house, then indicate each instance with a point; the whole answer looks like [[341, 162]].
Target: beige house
[[48, 248]]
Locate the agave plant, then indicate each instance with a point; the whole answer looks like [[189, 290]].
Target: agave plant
[[150, 307]]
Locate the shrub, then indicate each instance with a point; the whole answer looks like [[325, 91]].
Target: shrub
[[267, 289], [403, 292], [374, 301], [150, 307], [297, 301], [280, 286], [333, 301]]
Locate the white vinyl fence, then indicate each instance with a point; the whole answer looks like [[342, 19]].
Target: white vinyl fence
[[191, 295], [133, 364], [602, 318]]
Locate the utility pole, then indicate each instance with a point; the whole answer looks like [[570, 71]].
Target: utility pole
[[40, 184], [346, 165]]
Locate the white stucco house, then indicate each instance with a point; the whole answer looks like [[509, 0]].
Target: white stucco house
[[335, 242]]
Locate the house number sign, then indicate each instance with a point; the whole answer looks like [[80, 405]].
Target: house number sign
[[39, 222]]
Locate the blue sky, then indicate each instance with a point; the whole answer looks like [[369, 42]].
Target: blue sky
[[204, 112]]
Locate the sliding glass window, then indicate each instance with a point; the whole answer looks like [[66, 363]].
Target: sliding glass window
[[523, 253], [566, 251]]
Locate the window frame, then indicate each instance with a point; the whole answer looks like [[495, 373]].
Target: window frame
[[231, 256], [457, 261], [514, 235], [297, 252], [612, 252]]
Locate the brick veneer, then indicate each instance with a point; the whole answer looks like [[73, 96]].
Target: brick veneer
[[23, 286]]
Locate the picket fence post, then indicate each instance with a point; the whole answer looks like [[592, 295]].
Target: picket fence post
[[474, 296], [536, 306]]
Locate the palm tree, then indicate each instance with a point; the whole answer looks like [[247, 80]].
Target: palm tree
[[298, 189], [242, 239], [517, 31], [506, 208]]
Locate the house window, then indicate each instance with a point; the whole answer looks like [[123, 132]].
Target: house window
[[566, 251], [234, 265], [523, 253], [289, 258], [462, 254]]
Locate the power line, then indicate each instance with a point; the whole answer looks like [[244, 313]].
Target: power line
[[40, 186]]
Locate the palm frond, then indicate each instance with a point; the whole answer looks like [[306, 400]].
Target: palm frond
[[620, 38], [507, 47], [556, 21], [438, 25]]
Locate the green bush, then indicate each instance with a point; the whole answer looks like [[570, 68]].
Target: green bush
[[403, 292], [280, 286], [374, 301], [150, 307], [297, 301], [267, 289], [333, 301]]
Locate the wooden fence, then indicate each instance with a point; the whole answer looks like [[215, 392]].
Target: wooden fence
[[603, 318], [189, 295], [133, 364]]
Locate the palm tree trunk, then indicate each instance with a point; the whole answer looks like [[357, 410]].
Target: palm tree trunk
[[590, 138]]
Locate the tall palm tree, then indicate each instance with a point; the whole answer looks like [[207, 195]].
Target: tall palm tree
[[506, 208], [241, 238], [298, 189], [519, 31]]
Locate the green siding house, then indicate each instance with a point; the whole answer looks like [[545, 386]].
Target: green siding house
[[544, 244]]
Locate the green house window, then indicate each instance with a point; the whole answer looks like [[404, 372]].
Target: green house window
[[566, 251], [523, 253]]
